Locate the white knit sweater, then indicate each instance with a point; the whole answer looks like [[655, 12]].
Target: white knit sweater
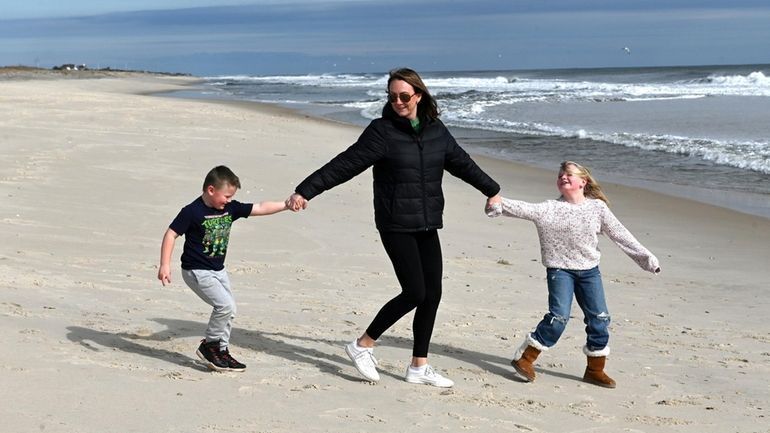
[[569, 233]]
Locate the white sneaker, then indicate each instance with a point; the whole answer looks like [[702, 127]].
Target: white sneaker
[[428, 377], [364, 361]]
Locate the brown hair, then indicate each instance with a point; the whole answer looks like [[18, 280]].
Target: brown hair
[[219, 176], [592, 188], [427, 108]]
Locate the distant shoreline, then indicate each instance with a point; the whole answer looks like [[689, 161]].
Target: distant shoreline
[[33, 73]]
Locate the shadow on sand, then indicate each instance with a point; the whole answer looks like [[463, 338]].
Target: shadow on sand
[[330, 361]]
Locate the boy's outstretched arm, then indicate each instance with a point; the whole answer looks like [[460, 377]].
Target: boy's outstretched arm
[[166, 247], [268, 208]]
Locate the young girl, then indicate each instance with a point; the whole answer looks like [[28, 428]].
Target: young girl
[[568, 228]]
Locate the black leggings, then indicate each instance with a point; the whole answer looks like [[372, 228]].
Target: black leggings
[[416, 258]]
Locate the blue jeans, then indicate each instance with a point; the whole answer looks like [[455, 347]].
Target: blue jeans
[[587, 288]]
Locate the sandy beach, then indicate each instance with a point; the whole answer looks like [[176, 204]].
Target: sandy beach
[[93, 170]]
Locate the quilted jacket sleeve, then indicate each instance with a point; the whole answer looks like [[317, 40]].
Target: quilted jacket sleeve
[[368, 149], [460, 165]]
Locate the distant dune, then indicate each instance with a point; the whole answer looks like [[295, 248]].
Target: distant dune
[[20, 72]]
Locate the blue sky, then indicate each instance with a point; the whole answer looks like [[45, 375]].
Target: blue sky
[[204, 37]]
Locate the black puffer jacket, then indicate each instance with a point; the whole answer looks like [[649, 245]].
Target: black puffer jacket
[[408, 169]]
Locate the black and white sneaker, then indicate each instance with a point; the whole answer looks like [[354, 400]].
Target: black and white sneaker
[[232, 363], [210, 354]]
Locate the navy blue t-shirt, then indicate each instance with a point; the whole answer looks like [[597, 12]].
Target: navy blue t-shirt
[[207, 232]]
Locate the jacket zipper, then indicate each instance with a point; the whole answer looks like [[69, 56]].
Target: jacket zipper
[[418, 140]]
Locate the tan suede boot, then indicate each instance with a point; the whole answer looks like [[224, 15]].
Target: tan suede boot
[[595, 372], [524, 365]]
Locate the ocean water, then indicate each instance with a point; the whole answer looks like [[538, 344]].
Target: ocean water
[[696, 132]]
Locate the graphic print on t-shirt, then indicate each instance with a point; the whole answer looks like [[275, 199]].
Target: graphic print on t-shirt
[[216, 236]]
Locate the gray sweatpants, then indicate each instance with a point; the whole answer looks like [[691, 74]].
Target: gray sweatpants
[[214, 288]]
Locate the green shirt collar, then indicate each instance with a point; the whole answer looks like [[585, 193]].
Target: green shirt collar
[[415, 124]]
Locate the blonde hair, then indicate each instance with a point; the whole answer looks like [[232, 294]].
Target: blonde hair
[[592, 188]]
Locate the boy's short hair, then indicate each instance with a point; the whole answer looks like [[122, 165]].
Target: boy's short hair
[[219, 176]]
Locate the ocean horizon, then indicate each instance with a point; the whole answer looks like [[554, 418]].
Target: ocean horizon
[[698, 132]]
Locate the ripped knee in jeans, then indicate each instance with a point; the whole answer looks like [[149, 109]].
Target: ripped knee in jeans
[[557, 318], [603, 316]]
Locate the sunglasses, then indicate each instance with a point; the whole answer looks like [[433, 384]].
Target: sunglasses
[[403, 97]]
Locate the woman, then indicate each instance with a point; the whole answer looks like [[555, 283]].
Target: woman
[[569, 229], [409, 149]]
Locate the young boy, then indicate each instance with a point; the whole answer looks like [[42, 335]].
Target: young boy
[[206, 223]]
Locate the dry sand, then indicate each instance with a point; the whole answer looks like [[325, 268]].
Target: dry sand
[[92, 172]]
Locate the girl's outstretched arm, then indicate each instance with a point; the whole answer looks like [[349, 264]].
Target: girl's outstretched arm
[[618, 233], [516, 209]]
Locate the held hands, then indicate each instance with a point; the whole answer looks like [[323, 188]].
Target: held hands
[[296, 202], [494, 206]]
